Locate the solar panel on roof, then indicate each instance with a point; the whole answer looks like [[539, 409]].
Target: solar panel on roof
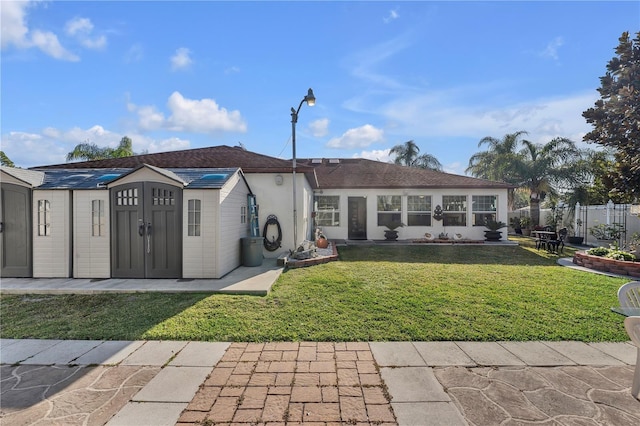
[[215, 176]]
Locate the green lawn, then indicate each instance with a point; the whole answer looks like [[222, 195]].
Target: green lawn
[[374, 293]]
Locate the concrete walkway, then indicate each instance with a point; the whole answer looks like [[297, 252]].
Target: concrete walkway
[[256, 280], [382, 383]]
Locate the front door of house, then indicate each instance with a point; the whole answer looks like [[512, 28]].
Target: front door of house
[[357, 224], [15, 231], [146, 231]]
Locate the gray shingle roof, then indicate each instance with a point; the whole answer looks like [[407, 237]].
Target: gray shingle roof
[[362, 173]]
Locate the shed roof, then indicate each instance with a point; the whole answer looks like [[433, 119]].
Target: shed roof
[[197, 178], [31, 177], [362, 173]]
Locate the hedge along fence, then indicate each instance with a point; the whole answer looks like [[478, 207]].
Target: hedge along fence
[[603, 264]]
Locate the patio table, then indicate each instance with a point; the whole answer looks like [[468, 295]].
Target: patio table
[[632, 312], [627, 311]]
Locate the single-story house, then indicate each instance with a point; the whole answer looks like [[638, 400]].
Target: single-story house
[[183, 214]]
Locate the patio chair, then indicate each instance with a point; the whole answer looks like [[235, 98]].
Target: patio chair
[[632, 325], [557, 244], [629, 295]]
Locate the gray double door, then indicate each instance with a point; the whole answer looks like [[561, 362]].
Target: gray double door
[[15, 231], [146, 230]]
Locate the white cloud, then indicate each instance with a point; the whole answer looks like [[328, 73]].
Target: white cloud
[[376, 155], [232, 70], [16, 33], [360, 137], [51, 145], [551, 51], [181, 60], [319, 128], [393, 15], [81, 29], [134, 54], [189, 115]]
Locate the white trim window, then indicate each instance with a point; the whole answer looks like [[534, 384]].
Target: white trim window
[[483, 209], [389, 209], [98, 220], [454, 210], [193, 220], [44, 218], [327, 209], [243, 214], [419, 210]]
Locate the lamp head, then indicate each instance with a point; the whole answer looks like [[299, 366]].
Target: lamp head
[[310, 99]]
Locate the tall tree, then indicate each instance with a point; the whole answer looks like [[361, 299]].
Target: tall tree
[[91, 151], [5, 161], [496, 162], [616, 115], [538, 169], [407, 154]]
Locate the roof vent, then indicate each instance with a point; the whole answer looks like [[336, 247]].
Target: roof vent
[[316, 161], [215, 176], [334, 161]]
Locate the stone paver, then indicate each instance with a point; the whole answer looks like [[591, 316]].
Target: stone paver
[[537, 353], [292, 382]]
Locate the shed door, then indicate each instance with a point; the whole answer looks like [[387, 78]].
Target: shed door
[[15, 231], [146, 237]]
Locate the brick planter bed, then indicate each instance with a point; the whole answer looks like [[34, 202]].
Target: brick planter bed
[[620, 267]]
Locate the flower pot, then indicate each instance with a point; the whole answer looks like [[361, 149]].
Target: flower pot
[[390, 235], [492, 235], [322, 243], [575, 240]]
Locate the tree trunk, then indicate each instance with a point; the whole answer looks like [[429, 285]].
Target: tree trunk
[[534, 208]]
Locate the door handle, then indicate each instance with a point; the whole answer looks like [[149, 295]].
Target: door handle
[[141, 229], [1, 226], [148, 237]]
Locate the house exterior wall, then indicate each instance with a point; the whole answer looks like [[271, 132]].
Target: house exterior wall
[[414, 232], [198, 252], [91, 253], [52, 252], [277, 200], [233, 198]]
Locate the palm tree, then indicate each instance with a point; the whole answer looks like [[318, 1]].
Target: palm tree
[[538, 169], [407, 155], [5, 161], [91, 151], [497, 161]]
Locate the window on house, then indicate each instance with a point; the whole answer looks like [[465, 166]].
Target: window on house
[[389, 209], [327, 210], [98, 221], [44, 218], [419, 210], [243, 214], [483, 209], [454, 210], [193, 221]]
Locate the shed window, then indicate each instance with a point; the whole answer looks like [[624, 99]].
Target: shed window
[[44, 218], [454, 210], [483, 208], [419, 210], [243, 214], [127, 197], [327, 210], [193, 222], [389, 209], [98, 221]]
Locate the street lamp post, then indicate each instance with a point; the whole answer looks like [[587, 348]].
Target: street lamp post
[[311, 101]]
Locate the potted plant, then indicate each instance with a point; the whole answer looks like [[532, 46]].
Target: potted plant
[[575, 238], [606, 234], [391, 233], [525, 223], [516, 225], [493, 232]]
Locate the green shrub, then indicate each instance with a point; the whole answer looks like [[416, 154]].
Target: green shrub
[[611, 254]]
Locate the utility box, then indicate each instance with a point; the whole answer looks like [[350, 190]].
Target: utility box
[[252, 251]]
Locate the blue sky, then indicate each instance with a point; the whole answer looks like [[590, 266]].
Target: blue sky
[[179, 75]]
